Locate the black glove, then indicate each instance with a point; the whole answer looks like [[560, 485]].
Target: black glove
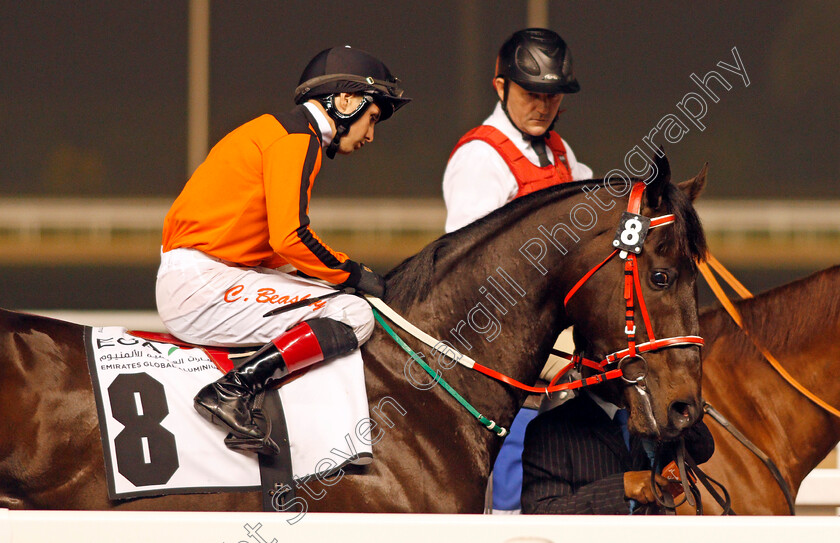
[[370, 282]]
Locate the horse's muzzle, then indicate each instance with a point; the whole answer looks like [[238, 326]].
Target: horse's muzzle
[[683, 414]]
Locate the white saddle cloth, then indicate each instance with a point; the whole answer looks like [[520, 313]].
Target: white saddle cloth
[[156, 443]]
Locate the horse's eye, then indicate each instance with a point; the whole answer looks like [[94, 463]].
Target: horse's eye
[[660, 279]]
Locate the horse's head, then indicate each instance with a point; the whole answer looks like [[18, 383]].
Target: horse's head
[[661, 374]]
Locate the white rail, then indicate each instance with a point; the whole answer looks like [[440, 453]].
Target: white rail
[[820, 487], [33, 216], [148, 321], [142, 527]]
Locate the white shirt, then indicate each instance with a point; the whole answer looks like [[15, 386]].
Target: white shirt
[[477, 179], [323, 124]]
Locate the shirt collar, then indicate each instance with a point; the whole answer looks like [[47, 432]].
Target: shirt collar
[[323, 124], [499, 120], [609, 408]]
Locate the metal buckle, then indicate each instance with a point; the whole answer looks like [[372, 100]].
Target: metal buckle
[[624, 361], [630, 332]]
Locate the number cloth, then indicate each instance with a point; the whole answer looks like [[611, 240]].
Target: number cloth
[[156, 443]]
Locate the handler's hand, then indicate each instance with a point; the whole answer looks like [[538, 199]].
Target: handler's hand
[[637, 485]]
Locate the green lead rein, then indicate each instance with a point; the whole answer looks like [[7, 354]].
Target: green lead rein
[[487, 423]]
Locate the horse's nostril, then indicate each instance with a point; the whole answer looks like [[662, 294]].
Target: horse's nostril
[[682, 414]]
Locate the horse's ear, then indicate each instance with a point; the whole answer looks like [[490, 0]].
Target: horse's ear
[[694, 186], [659, 176]]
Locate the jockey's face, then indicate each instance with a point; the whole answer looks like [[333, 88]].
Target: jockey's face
[[361, 131], [531, 112]]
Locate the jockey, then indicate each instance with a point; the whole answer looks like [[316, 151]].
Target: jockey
[[513, 153], [237, 241], [506, 156]]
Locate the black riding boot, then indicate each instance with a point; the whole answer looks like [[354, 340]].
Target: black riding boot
[[229, 401]]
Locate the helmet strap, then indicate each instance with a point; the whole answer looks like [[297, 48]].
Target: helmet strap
[[343, 121], [505, 92], [527, 136], [332, 148]]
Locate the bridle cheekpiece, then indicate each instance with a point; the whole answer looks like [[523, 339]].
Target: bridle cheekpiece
[[629, 238]]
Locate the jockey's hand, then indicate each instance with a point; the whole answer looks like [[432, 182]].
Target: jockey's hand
[[637, 486], [370, 282]]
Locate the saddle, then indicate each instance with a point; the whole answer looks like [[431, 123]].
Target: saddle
[[225, 358], [222, 357]]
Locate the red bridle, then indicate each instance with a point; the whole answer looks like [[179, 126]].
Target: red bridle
[[631, 283]]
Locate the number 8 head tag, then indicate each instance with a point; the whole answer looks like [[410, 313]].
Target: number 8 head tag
[[631, 233]]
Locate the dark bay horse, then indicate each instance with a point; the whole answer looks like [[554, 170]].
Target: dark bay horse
[[799, 324], [494, 290]]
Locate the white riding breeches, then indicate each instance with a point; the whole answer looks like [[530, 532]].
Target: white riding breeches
[[204, 300]]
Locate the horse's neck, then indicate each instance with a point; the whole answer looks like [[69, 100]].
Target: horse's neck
[[491, 301], [743, 385], [497, 307]]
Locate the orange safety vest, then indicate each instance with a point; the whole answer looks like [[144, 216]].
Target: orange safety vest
[[529, 178]]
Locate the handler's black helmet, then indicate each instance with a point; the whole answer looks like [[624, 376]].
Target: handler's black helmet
[[344, 69], [537, 60]]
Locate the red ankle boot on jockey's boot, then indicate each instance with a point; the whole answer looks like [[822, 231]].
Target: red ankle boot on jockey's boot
[[229, 401]]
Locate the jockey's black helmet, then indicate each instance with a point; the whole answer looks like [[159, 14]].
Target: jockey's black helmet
[[538, 60], [345, 69]]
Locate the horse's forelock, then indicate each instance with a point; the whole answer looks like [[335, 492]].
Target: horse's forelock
[[685, 237]]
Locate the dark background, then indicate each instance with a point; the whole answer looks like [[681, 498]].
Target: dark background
[[93, 94], [93, 100]]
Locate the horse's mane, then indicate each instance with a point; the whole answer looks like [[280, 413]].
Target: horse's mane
[[785, 318], [413, 279]]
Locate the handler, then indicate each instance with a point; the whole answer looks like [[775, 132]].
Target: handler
[[513, 153], [237, 242], [580, 459]]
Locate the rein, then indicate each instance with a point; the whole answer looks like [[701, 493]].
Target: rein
[[744, 293], [689, 474], [771, 466], [380, 308], [736, 316], [487, 423]]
